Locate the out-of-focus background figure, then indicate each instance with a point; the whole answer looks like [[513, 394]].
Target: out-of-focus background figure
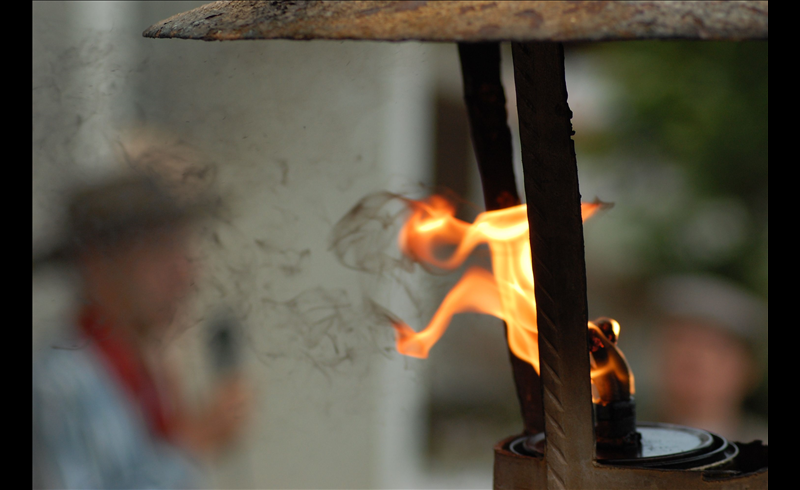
[[108, 408], [708, 347]]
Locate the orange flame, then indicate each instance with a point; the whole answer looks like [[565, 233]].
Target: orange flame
[[507, 293]]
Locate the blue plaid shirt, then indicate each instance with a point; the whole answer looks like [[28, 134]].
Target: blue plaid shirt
[[88, 433]]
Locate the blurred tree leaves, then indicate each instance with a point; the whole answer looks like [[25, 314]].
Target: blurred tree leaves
[[703, 107]]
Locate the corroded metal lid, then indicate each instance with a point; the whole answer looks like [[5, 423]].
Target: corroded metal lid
[[472, 21], [663, 446]]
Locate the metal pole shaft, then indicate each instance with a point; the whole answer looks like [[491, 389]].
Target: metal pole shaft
[[491, 139], [551, 187]]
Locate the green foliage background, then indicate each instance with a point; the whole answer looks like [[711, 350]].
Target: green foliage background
[[702, 107]]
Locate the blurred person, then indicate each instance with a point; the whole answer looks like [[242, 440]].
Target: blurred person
[[107, 409], [708, 353]]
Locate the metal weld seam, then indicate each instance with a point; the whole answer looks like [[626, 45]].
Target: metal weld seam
[[553, 399], [542, 313], [550, 327], [541, 290], [551, 348], [541, 267], [556, 426], [555, 478], [551, 373], [553, 450]]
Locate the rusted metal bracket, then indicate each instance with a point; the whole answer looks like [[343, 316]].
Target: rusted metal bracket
[[473, 21], [491, 139]]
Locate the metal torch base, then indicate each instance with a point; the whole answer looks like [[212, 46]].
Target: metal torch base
[[670, 456]]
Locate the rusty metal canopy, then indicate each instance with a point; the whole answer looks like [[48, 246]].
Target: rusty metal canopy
[[468, 21]]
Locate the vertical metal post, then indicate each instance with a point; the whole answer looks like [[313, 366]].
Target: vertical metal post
[[491, 139], [551, 187]]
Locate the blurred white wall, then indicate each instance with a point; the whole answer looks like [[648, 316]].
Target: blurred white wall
[[291, 134]]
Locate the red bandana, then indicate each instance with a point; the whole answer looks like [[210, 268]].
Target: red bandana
[[123, 360]]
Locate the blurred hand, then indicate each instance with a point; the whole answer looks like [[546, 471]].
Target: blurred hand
[[213, 428]]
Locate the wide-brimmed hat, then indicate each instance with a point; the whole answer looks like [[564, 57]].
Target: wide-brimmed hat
[[116, 210]]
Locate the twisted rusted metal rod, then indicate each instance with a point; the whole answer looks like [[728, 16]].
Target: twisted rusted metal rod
[[559, 269]]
